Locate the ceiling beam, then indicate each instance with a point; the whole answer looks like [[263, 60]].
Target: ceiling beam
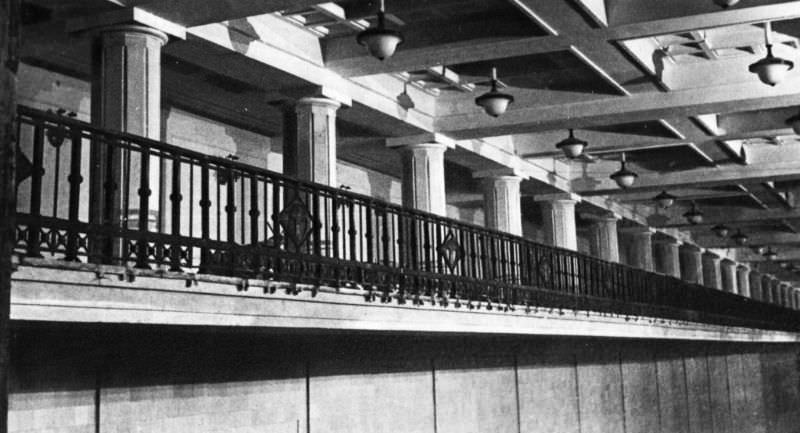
[[190, 13], [728, 215], [346, 57], [473, 122], [764, 238]]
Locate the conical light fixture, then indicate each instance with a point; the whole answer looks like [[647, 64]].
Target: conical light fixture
[[721, 230], [771, 70], [770, 254], [759, 249], [794, 122], [693, 215], [725, 4], [740, 238], [572, 146], [494, 102], [380, 41], [623, 177], [664, 199]]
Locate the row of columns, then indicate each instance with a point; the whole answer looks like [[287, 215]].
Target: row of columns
[[126, 96]]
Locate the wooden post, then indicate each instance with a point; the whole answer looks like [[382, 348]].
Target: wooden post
[[9, 42]]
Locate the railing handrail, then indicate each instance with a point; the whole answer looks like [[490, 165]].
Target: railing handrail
[[499, 261]]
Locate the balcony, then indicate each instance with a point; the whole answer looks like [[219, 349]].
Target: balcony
[[90, 199]]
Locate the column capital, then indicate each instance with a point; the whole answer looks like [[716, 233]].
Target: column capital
[[728, 262], [690, 248], [558, 197], [663, 238], [427, 139], [132, 18], [710, 254], [743, 267], [317, 101]]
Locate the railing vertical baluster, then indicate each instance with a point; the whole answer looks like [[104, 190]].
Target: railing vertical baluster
[[335, 225], [370, 221], [142, 247], [35, 228], [254, 213], [316, 233], [230, 219], [175, 199], [75, 179], [351, 229], [205, 217], [385, 237]]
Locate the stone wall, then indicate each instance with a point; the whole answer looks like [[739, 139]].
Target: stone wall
[[68, 378]]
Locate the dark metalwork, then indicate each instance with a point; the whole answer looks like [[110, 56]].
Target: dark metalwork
[[266, 225]]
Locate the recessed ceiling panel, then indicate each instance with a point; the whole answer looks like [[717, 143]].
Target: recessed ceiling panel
[[667, 159]]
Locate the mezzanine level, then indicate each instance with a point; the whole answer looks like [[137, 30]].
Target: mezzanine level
[[94, 204]]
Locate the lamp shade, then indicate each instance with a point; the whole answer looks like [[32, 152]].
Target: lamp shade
[[725, 3], [693, 215], [494, 102], [623, 177], [794, 122], [721, 230], [771, 70], [740, 238], [664, 199], [770, 254], [381, 42], [572, 146]]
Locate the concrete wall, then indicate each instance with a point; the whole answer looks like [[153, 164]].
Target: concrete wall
[[69, 378]]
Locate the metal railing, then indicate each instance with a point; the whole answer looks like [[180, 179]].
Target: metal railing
[[97, 196]]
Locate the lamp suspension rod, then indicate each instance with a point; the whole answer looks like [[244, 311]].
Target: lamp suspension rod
[[382, 8], [494, 73], [767, 32]]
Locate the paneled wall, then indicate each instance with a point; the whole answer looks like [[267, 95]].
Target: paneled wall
[[156, 379]]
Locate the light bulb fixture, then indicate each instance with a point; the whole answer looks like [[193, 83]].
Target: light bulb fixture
[[725, 4], [794, 122], [770, 254], [623, 177], [740, 238], [494, 102], [693, 215], [758, 249], [404, 99], [664, 199], [771, 70], [381, 42], [721, 230], [572, 146]]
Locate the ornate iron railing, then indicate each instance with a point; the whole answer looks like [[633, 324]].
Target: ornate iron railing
[[97, 196]]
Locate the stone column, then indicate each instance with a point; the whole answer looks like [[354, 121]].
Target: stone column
[[691, 263], [711, 271], [666, 256], [766, 288], [640, 253], [501, 203], [309, 140], [423, 177], [755, 285], [743, 280], [558, 216], [603, 237], [783, 294], [727, 270], [126, 97]]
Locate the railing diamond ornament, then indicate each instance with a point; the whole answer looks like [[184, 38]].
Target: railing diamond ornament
[[451, 251], [296, 222]]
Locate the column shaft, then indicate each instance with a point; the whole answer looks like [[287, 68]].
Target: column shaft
[[766, 288], [309, 141], [502, 204], [604, 239], [711, 271], [691, 263], [728, 276], [755, 285], [558, 216], [641, 249], [743, 280], [423, 177], [666, 257]]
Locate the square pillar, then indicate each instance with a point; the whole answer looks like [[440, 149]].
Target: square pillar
[[501, 203], [309, 140], [766, 288], [727, 270], [691, 264], [665, 255], [711, 271], [558, 217], [743, 280], [784, 289]]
